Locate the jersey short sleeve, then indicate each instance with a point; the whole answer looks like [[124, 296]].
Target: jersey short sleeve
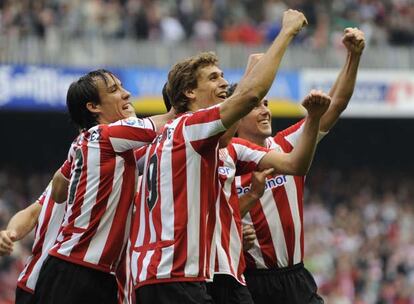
[[248, 155], [204, 127], [130, 133]]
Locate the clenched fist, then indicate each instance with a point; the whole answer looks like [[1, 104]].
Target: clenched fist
[[316, 103], [293, 21], [354, 40]]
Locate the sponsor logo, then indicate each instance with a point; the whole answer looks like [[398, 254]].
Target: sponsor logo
[[271, 183], [224, 171]]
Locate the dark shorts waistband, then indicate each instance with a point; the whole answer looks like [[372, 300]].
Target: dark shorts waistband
[[269, 271]]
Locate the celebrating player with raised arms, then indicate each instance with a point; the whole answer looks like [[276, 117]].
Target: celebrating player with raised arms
[[275, 271]]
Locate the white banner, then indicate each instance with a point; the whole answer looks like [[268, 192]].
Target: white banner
[[378, 93]]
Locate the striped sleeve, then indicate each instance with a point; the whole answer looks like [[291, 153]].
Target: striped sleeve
[[248, 155], [130, 133], [42, 198], [204, 128]]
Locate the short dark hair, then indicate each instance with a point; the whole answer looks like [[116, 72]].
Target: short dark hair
[[166, 98], [183, 77], [81, 92]]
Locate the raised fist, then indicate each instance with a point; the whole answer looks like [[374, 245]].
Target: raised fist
[[354, 40], [7, 238], [293, 21], [316, 103]]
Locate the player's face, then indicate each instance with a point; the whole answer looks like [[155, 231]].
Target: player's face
[[211, 86], [115, 104], [258, 122]]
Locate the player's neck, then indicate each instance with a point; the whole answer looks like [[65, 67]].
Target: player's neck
[[258, 140]]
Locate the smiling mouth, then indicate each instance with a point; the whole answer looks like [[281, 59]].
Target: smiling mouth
[[127, 106]]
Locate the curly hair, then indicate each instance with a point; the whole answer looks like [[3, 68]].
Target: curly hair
[[183, 77]]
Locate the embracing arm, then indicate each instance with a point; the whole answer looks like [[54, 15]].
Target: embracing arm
[[299, 160]]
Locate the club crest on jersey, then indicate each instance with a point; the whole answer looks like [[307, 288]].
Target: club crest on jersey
[[133, 121], [271, 183]]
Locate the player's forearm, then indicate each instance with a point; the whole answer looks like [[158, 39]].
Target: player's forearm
[[302, 155], [341, 92], [246, 202], [22, 223], [59, 188]]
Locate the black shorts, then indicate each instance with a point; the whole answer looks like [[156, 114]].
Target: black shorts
[[68, 283], [173, 293], [225, 289], [23, 296], [293, 285]]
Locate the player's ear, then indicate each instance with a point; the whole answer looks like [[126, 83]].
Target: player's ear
[[190, 94], [92, 107]]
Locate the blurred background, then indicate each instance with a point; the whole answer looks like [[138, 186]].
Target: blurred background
[[359, 207]]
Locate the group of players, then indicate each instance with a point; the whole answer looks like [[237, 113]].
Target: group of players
[[198, 205]]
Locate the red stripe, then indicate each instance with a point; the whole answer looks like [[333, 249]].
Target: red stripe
[[179, 187], [130, 133], [299, 182]]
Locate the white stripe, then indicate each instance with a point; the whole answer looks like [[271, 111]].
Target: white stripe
[[235, 246], [92, 185], [203, 130], [247, 154], [193, 170], [100, 238], [165, 266], [122, 144], [67, 246], [147, 259], [134, 265], [292, 197], [275, 227]]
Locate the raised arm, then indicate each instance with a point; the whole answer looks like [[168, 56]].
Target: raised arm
[[254, 86], [343, 88], [299, 160], [19, 226], [226, 137]]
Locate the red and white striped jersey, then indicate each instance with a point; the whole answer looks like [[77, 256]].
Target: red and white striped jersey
[[46, 231], [240, 157], [101, 191], [278, 216], [179, 188], [126, 292]]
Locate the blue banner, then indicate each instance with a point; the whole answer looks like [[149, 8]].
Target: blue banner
[[43, 88]]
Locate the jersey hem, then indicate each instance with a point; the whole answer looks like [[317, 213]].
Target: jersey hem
[[81, 263], [169, 280], [25, 288]]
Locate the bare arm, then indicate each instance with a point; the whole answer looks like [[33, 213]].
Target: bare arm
[[19, 226], [161, 119], [228, 135], [254, 86], [257, 187], [343, 88], [60, 187], [299, 160]]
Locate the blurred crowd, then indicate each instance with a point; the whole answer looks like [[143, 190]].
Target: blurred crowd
[[207, 21], [359, 243]]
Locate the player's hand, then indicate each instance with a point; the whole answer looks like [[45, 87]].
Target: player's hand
[[258, 182], [293, 21], [248, 237], [354, 40], [316, 103], [7, 237]]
